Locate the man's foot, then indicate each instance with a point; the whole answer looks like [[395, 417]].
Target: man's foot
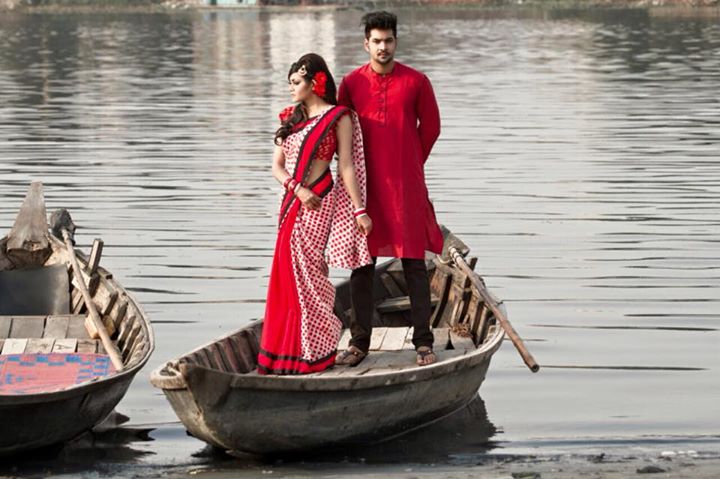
[[425, 356], [350, 357]]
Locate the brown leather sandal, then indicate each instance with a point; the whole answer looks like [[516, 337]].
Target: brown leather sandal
[[352, 356], [422, 353]]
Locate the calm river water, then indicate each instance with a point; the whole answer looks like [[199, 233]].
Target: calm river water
[[579, 159]]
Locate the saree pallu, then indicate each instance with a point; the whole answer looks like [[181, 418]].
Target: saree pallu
[[300, 330]]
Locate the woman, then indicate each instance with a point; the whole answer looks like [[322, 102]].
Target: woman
[[317, 217]]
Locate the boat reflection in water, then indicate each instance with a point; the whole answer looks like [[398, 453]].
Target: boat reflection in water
[[461, 437], [105, 447]]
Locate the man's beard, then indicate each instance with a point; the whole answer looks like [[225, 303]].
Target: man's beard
[[383, 60]]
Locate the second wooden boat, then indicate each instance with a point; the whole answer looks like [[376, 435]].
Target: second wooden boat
[[58, 378], [220, 398]]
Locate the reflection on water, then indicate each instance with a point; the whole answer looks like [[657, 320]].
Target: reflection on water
[[578, 160], [109, 444], [460, 438]]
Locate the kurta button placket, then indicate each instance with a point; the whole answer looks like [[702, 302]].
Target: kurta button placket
[[396, 148], [382, 94]]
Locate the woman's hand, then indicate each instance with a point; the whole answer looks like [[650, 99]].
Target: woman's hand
[[309, 199], [365, 224]]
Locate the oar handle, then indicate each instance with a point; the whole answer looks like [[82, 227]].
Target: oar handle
[[94, 316], [497, 312]]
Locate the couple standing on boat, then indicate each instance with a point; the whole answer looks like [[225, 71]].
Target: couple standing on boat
[[382, 124]]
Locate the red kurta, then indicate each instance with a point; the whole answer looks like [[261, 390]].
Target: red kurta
[[400, 123]]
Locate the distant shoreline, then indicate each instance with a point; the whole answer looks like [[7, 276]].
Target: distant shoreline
[[190, 5]]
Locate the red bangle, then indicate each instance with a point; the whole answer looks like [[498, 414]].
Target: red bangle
[[287, 182], [359, 212]]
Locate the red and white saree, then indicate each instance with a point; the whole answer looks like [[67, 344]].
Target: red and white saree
[[300, 331]]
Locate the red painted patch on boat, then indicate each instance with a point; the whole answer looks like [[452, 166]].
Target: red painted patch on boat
[[40, 373]]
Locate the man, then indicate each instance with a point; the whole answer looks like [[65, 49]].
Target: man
[[400, 122]]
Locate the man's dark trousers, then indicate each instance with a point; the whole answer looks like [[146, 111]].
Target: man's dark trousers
[[361, 298]]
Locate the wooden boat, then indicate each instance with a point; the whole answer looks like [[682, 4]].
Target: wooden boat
[[45, 321], [220, 398]]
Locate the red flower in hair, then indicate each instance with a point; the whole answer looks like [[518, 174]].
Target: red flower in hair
[[320, 79]]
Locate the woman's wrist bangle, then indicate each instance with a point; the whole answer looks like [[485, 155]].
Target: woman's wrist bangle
[[287, 182], [359, 212]]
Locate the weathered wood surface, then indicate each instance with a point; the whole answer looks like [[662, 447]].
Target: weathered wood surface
[[39, 345], [27, 327], [48, 345], [440, 287], [57, 327], [14, 346], [343, 344], [53, 326], [391, 286], [401, 303], [460, 341], [27, 243], [494, 306], [67, 345], [94, 323], [5, 323], [394, 339]]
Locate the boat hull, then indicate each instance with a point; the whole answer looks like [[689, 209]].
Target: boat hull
[[217, 408], [221, 399], [43, 420]]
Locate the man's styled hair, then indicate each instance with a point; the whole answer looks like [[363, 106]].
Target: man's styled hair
[[380, 20]]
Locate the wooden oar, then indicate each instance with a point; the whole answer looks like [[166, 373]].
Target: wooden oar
[[95, 318], [493, 306]]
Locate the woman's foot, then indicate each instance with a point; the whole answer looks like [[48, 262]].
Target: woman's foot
[[350, 357], [425, 356]]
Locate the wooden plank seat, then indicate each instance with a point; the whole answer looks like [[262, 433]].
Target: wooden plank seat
[[400, 303], [63, 333]]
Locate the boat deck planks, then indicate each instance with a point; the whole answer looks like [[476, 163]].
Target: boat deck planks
[[394, 354], [14, 346], [394, 339], [376, 338], [408, 344], [56, 327], [5, 323], [39, 346], [459, 341], [67, 345], [344, 342], [442, 338], [76, 327]]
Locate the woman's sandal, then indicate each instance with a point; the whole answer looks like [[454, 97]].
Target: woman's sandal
[[350, 357], [422, 353]]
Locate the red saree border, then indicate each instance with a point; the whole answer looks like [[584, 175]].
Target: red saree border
[[269, 363], [293, 365]]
